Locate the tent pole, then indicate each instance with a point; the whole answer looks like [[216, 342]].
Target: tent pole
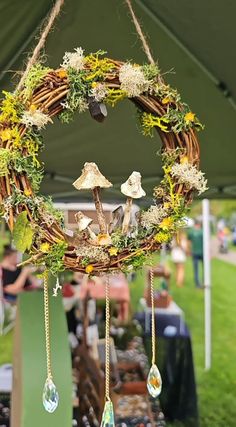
[[207, 280]]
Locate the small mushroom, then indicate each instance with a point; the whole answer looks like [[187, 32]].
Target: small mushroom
[[133, 190], [92, 179], [83, 223]]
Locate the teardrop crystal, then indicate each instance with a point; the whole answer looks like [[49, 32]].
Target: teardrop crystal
[[108, 415], [154, 382], [50, 396]]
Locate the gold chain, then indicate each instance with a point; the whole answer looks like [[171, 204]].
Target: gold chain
[[153, 316], [47, 323], [107, 342]]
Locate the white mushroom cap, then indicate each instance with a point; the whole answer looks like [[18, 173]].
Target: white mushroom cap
[[132, 187], [91, 178], [82, 220]]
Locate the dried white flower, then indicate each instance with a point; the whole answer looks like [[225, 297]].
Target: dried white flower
[[56, 288], [188, 174], [7, 205], [74, 60], [81, 105], [99, 92], [153, 216], [65, 105], [93, 253], [35, 118], [133, 80]]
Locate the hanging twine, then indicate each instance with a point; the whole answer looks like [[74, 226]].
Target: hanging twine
[[54, 13], [142, 37]]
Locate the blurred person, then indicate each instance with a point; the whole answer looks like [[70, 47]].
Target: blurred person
[[70, 292], [195, 237], [14, 279], [178, 255], [223, 240], [234, 236]]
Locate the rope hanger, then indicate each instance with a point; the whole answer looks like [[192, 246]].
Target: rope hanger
[[41, 43], [49, 24]]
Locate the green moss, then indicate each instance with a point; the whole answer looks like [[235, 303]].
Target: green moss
[[27, 165], [150, 71], [5, 158], [34, 78], [49, 207], [66, 116]]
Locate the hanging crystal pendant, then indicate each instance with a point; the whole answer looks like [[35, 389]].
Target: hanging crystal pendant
[[108, 415], [154, 382], [50, 396]]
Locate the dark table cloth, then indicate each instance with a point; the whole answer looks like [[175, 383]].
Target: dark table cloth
[[175, 362]]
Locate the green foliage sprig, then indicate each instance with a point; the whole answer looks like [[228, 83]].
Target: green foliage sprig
[[53, 260]]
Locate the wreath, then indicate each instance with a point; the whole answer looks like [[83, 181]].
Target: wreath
[[90, 83]]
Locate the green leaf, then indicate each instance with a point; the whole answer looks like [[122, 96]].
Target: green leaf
[[22, 233]]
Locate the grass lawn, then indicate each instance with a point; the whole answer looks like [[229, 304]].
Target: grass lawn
[[6, 348], [216, 388]]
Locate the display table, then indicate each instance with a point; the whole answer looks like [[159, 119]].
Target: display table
[[175, 361], [173, 310]]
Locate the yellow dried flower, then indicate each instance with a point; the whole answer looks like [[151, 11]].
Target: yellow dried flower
[[27, 192], [11, 135], [113, 251], [115, 95], [33, 108], [167, 205], [94, 84], [62, 74], [184, 160], [9, 108], [89, 268], [166, 223], [104, 239], [167, 169], [162, 237], [45, 247], [166, 100], [149, 121], [5, 135], [189, 117]]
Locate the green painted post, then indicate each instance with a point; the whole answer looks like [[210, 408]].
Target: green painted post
[[30, 363]]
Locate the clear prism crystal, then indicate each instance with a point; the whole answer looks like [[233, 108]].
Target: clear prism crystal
[[108, 415], [154, 382], [50, 396]]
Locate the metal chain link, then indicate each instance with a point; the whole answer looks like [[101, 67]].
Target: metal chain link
[[47, 323], [153, 316], [107, 342]]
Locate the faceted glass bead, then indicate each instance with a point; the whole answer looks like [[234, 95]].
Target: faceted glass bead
[[108, 415], [154, 382], [50, 396]]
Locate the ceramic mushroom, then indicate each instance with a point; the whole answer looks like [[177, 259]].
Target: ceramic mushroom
[[83, 223], [133, 190], [92, 179]]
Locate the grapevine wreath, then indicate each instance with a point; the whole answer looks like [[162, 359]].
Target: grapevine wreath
[[90, 83]]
